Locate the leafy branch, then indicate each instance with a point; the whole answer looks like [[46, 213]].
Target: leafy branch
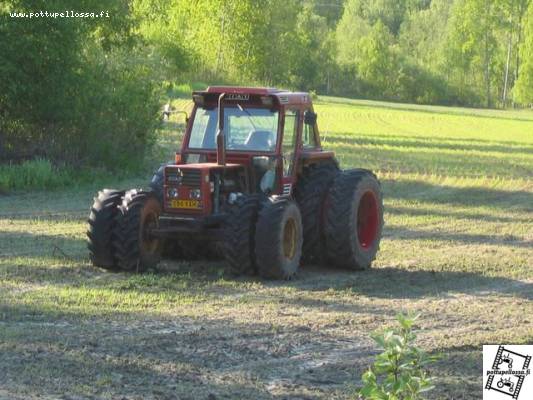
[[400, 371]]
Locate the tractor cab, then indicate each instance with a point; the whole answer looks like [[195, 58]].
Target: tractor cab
[[240, 141]]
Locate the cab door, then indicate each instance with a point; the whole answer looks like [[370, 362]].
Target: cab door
[[289, 150]]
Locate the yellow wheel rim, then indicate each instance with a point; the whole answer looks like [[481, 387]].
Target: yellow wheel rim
[[290, 232]]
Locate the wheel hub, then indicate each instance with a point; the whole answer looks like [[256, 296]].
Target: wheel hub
[[367, 220], [290, 232]]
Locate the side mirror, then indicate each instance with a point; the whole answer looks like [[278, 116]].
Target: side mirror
[[310, 118]]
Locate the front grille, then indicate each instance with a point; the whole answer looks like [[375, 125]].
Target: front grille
[[186, 177], [172, 176], [191, 177]]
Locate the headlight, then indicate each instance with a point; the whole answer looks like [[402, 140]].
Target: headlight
[[172, 193], [195, 194]]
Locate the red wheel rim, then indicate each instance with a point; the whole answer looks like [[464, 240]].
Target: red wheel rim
[[367, 220]]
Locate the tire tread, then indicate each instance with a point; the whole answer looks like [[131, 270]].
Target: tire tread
[[310, 193], [100, 231]]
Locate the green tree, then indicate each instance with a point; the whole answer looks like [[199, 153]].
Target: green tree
[[377, 61], [351, 28], [390, 12], [314, 53], [524, 84], [423, 34], [472, 53]]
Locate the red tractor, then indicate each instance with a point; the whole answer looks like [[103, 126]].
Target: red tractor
[[252, 181]]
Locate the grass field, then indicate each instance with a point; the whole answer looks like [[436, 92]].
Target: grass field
[[457, 247]]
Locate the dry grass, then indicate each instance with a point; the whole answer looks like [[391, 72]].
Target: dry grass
[[457, 247]]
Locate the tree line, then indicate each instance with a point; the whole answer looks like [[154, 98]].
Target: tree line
[[464, 52], [66, 83]]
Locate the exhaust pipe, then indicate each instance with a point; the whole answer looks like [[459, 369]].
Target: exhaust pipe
[[221, 139]]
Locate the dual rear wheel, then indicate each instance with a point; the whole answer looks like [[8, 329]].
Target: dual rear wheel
[[342, 213], [336, 220]]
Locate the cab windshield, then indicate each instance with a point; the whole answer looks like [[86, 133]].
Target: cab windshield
[[252, 129]]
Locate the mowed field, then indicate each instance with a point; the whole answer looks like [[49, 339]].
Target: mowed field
[[457, 248]]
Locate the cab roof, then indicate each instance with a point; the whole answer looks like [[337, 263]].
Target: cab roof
[[283, 96]]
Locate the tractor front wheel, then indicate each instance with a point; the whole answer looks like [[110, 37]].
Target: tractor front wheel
[[278, 239], [354, 219], [136, 249], [101, 224]]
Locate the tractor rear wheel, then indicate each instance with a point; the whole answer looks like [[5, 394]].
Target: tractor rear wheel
[[278, 239], [101, 222], [239, 235], [354, 219], [310, 193], [135, 248]]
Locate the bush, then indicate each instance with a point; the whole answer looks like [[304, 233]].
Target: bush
[[116, 118], [184, 89], [34, 174], [84, 96], [398, 373]]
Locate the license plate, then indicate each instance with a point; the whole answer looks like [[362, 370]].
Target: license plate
[[184, 204]]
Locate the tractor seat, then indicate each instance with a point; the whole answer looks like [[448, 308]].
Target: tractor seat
[[259, 140]]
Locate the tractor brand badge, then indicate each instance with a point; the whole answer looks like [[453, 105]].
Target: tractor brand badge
[[238, 96], [507, 373]]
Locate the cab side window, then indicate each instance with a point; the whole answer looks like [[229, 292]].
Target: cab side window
[[309, 137], [289, 138]]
